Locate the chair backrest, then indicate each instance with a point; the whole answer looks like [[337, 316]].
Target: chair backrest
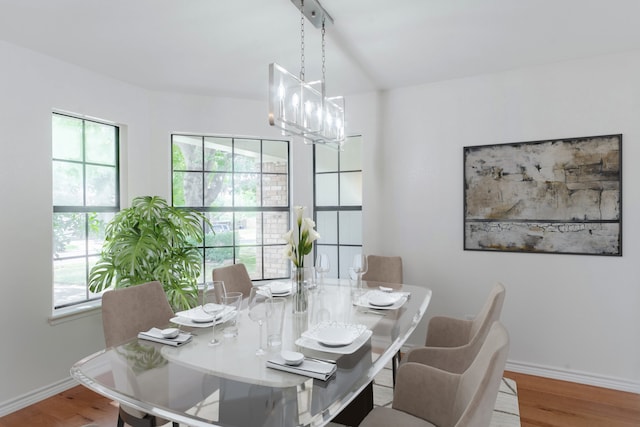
[[490, 313], [386, 269], [479, 385], [235, 278], [466, 336], [127, 311]]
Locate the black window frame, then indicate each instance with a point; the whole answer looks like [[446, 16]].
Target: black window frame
[[85, 210], [333, 208], [239, 209]]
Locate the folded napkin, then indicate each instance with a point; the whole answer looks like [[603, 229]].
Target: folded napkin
[[310, 368], [197, 315], [155, 334]]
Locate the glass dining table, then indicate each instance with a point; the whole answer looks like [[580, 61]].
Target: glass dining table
[[228, 385]]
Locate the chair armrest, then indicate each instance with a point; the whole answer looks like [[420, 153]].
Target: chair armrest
[[451, 359], [446, 331], [426, 392]]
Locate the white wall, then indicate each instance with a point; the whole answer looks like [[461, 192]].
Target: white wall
[[31, 87], [569, 316], [568, 313], [35, 353]]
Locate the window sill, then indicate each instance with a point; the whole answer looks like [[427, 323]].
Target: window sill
[[75, 312]]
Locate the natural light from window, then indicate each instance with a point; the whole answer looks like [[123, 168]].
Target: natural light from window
[[85, 198]]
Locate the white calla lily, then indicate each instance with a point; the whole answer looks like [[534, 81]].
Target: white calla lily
[[313, 235], [288, 237], [300, 239], [308, 223]]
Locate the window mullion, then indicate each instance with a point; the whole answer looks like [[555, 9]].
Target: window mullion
[[73, 220], [247, 222]]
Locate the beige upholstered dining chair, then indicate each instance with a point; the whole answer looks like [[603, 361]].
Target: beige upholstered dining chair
[[427, 396], [387, 269], [235, 278], [125, 312], [384, 269], [452, 343]]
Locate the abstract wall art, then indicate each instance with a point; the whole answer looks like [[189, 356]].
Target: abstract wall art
[[561, 196]]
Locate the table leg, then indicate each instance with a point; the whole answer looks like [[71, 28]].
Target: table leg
[[395, 364], [359, 407]]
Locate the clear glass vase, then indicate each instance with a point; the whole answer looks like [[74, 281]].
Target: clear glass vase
[[303, 278]]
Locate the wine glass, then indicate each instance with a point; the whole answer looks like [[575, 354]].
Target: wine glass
[[322, 266], [213, 303], [259, 308], [359, 267]]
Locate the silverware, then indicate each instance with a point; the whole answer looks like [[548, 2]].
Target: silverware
[[379, 313], [333, 362]]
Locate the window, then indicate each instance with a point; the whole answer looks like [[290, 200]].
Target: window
[[85, 198], [242, 186], [338, 203]]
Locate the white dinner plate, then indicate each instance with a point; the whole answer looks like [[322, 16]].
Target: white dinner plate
[[335, 337], [335, 334], [312, 344], [381, 299], [399, 299], [196, 318], [280, 288], [197, 315]]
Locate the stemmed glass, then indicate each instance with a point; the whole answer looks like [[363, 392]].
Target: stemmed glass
[[322, 266], [359, 267], [259, 309], [213, 304]]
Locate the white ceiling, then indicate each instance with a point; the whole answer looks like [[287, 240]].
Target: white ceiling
[[223, 47]]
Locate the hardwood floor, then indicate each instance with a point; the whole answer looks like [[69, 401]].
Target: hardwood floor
[[543, 403], [553, 403], [75, 407]]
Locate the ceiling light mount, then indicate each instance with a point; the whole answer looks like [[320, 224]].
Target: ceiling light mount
[[314, 12]]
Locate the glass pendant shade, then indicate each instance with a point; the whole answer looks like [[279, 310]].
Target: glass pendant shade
[[301, 109], [333, 125]]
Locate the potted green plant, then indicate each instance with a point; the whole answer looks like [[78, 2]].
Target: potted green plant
[[152, 240]]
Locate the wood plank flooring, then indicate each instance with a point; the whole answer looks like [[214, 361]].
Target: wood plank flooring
[[75, 407], [547, 402], [543, 403]]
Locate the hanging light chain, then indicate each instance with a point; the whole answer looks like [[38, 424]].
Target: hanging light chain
[[295, 106], [302, 40], [324, 56]]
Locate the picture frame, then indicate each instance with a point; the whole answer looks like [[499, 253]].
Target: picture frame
[[559, 196]]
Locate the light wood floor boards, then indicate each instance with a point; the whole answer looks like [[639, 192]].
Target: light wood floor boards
[[75, 407], [546, 402]]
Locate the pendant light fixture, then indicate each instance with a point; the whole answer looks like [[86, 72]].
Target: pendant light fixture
[[301, 108]]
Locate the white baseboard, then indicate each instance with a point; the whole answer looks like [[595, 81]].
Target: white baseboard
[[36, 396], [614, 383], [579, 377]]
